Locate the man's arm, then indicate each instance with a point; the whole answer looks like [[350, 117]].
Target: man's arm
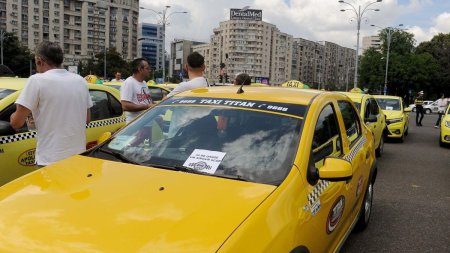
[[88, 117], [19, 117], [131, 107]]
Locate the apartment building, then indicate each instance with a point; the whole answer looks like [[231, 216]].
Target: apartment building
[[83, 28], [370, 41], [179, 51], [252, 46]]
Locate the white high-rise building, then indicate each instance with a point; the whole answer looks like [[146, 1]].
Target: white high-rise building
[[371, 41], [83, 28]]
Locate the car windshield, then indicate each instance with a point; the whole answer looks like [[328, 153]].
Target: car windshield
[[390, 104], [5, 92], [117, 87], [226, 142], [358, 105]]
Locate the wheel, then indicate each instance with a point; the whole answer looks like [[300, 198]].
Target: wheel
[[379, 150], [427, 111], [414, 109], [402, 139], [366, 209]]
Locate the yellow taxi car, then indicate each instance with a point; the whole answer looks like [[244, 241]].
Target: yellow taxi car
[[444, 137], [264, 170], [157, 92], [397, 116], [17, 148], [372, 116]]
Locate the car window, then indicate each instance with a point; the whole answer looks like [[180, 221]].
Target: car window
[[390, 104], [257, 146], [367, 109], [105, 105], [351, 122], [5, 92], [374, 108], [326, 140], [5, 115], [156, 93]]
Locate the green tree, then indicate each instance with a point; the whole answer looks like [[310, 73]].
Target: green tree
[[16, 56], [114, 63]]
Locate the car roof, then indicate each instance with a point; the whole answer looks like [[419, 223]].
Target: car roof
[[273, 94], [357, 97], [12, 83], [386, 96]]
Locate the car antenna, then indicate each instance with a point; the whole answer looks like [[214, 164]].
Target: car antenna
[[240, 90]]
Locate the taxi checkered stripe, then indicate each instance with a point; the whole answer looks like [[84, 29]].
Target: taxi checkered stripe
[[317, 191], [105, 122], [352, 153], [17, 137]]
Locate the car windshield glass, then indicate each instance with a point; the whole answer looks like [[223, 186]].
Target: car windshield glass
[[358, 105], [217, 141], [390, 104], [5, 92], [117, 87]]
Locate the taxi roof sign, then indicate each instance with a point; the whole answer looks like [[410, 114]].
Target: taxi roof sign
[[295, 84]]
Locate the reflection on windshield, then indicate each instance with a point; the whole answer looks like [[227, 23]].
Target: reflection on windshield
[[256, 146], [389, 104], [5, 92]]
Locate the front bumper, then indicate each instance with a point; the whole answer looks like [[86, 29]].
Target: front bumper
[[396, 130]]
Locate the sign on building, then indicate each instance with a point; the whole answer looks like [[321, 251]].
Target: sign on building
[[249, 14]]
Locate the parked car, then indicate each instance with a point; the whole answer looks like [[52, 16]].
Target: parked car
[[264, 170], [444, 137], [372, 116], [397, 116], [17, 148], [428, 107], [157, 92]]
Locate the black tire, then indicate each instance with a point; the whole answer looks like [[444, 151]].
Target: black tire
[[366, 209], [380, 149], [402, 138]]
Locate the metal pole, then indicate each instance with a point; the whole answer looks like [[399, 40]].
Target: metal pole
[[389, 37], [2, 36], [358, 17], [164, 43], [104, 64]]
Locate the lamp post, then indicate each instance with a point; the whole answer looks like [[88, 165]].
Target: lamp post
[[2, 37], [359, 13], [389, 32], [164, 18]]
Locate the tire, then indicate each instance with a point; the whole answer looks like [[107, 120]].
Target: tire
[[380, 149], [402, 139], [366, 209], [427, 111], [414, 109]]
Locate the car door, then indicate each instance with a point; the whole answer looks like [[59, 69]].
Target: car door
[[157, 94], [359, 155], [377, 127], [106, 116], [17, 149], [325, 196]]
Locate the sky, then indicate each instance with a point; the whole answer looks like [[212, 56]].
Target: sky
[[315, 20]]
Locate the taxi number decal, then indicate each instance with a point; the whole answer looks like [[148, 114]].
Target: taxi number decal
[[292, 109], [27, 158], [336, 211]]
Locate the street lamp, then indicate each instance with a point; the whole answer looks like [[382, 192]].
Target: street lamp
[[2, 37], [389, 32], [359, 12], [164, 18]]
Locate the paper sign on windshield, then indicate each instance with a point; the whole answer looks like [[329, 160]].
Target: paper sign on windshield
[[120, 142], [204, 160], [389, 108]]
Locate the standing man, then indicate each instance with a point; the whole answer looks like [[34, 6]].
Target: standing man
[[60, 132], [134, 93], [442, 105], [195, 68], [419, 108], [118, 77]]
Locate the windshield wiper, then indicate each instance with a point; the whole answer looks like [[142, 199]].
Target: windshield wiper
[[118, 156], [235, 177]]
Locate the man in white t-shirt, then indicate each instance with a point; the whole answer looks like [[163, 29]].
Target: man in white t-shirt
[[59, 103], [118, 77], [195, 67], [134, 93]]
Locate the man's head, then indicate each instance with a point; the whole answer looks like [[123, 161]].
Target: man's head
[[48, 55], [118, 75], [141, 69], [242, 79], [195, 62]]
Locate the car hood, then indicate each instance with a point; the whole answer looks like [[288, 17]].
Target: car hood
[[390, 114], [85, 204]]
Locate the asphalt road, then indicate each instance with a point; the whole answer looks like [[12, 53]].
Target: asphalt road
[[411, 206]]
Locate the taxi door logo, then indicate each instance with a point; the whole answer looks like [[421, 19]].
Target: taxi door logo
[[337, 209], [27, 158]]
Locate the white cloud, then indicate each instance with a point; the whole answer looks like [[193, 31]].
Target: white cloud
[[309, 19]]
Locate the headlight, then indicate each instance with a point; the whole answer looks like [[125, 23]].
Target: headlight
[[396, 120], [447, 123]]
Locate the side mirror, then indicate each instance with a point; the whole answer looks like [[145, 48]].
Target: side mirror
[[336, 169], [407, 110], [6, 129], [103, 137], [371, 118]]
